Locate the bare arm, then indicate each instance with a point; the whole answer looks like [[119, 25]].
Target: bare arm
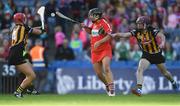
[[37, 31], [106, 38], [163, 39], [87, 29], [122, 35], [109, 36]]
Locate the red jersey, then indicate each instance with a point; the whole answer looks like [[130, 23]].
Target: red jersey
[[105, 48], [96, 37]]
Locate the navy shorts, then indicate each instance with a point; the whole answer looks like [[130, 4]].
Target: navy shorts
[[16, 55]]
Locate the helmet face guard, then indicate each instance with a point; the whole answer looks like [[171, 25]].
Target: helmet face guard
[[142, 22], [19, 18], [95, 14]]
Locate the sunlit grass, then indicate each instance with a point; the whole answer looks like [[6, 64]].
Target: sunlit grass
[[91, 100]]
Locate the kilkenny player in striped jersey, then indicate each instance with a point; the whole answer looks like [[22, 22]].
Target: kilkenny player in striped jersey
[[17, 51]]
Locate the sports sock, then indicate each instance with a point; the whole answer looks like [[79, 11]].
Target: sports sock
[[173, 82], [139, 86], [111, 87], [19, 89]]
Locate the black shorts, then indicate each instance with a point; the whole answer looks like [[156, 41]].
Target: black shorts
[[16, 55], [157, 58]]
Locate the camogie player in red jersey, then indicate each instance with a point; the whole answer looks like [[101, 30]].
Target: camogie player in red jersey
[[101, 53]]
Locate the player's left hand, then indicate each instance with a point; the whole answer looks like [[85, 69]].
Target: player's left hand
[[161, 45], [42, 30], [96, 44]]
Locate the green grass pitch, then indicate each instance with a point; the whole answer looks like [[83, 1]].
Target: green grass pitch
[[91, 100]]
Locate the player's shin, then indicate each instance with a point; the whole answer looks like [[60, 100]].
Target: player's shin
[[139, 76], [170, 78]]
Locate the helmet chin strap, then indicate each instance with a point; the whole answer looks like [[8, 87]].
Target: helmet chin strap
[[95, 19], [144, 28]]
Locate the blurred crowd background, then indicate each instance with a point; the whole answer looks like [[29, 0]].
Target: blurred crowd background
[[65, 40]]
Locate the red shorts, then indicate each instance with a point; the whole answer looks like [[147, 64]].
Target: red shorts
[[98, 56]]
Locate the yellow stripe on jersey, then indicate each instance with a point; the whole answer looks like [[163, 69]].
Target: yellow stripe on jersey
[[21, 34], [142, 38], [152, 46], [156, 50], [14, 34], [18, 35], [149, 45]]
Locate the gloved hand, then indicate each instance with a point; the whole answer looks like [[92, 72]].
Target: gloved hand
[[101, 31], [43, 30]]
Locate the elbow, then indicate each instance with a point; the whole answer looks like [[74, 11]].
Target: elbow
[[37, 31]]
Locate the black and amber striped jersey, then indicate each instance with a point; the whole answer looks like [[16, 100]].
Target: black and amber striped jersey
[[147, 40], [20, 34]]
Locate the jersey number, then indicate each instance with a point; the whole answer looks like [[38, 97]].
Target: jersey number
[[8, 70]]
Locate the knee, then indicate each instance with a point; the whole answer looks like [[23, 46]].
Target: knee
[[107, 68]]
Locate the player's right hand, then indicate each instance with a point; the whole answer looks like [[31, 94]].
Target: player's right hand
[[113, 35], [162, 45], [96, 45], [82, 25]]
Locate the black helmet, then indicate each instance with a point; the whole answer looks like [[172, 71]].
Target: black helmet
[[143, 20], [95, 12]]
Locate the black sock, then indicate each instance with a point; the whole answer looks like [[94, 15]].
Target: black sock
[[139, 86], [173, 82]]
